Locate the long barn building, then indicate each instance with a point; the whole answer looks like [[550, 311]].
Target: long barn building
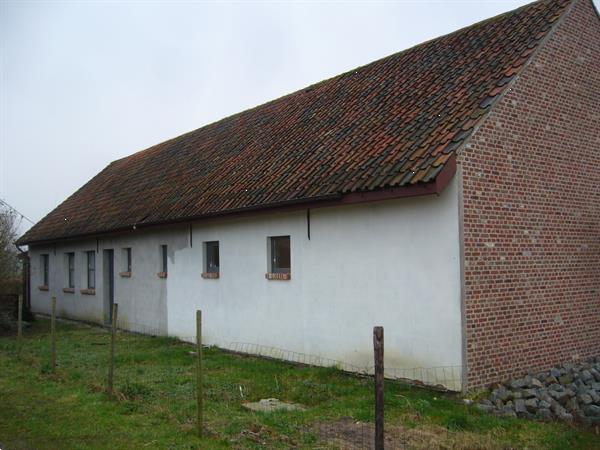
[[449, 192]]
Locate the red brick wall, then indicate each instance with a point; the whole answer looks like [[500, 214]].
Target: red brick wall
[[531, 198]]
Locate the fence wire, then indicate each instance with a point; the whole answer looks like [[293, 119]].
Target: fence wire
[[152, 377], [440, 378], [443, 378]]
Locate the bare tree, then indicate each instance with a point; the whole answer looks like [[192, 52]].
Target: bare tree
[[9, 261]]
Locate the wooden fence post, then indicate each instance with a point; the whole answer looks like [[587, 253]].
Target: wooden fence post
[[378, 353], [111, 360], [53, 335], [20, 325], [199, 371]]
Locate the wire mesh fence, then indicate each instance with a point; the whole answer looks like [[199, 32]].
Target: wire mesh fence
[[443, 378], [159, 375]]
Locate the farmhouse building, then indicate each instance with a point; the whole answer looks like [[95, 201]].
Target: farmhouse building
[[449, 192]]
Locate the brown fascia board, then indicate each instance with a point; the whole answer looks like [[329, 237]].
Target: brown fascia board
[[414, 190]]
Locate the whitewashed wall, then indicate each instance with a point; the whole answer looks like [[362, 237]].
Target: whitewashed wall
[[142, 298], [393, 263]]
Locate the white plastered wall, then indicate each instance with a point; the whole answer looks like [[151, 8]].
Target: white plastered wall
[[393, 263]]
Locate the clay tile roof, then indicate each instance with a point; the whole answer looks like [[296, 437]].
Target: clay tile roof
[[388, 124]]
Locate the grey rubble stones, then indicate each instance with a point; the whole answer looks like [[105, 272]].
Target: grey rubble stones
[[568, 392]]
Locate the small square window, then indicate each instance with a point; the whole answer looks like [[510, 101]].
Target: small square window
[[211, 257], [45, 266], [280, 254], [70, 270], [91, 269]]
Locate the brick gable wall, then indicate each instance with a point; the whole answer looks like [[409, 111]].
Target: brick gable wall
[[531, 213]]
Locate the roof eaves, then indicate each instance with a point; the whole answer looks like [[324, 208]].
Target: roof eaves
[[435, 186]]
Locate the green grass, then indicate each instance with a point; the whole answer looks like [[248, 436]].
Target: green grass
[[154, 405]]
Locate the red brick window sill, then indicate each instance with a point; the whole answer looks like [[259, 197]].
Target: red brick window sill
[[161, 274], [43, 288], [88, 291], [278, 276], [69, 290], [125, 274], [210, 275]]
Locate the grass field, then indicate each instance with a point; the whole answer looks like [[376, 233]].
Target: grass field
[[155, 402]]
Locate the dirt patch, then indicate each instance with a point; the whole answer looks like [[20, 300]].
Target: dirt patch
[[349, 434], [261, 435]]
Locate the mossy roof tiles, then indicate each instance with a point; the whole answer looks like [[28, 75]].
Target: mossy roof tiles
[[392, 123]]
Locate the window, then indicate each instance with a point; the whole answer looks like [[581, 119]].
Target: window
[[211, 257], [45, 262], [127, 260], [91, 270], [280, 254], [71, 270], [163, 256]]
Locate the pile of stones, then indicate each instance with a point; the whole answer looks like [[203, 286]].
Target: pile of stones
[[570, 392]]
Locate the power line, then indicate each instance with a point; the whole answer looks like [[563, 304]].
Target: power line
[[12, 208]]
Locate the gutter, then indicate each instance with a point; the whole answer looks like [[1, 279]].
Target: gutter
[[23, 252], [412, 190]]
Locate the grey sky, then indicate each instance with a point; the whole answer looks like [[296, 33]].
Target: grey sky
[[85, 83]]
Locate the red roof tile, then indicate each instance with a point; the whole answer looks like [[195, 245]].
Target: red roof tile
[[394, 122]]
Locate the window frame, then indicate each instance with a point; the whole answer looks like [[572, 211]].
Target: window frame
[[91, 269], [275, 254], [164, 259], [45, 262], [128, 259], [71, 270], [208, 267]]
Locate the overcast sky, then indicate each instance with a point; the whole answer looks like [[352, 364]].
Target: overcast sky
[[85, 83]]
